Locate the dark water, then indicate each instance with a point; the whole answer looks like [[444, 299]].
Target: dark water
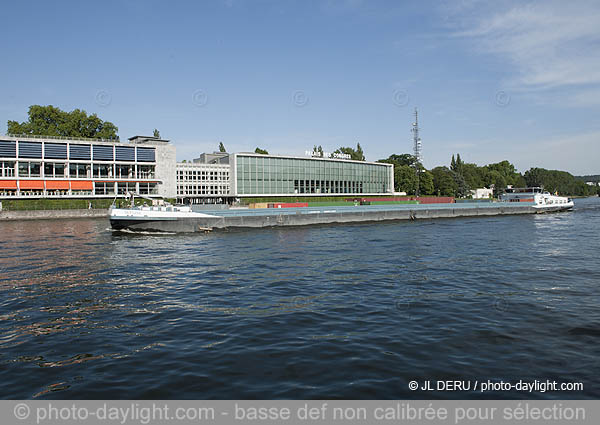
[[346, 311]]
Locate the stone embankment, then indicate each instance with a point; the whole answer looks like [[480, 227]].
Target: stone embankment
[[52, 214]]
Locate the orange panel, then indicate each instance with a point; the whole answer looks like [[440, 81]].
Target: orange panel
[[8, 184], [31, 184], [57, 184], [79, 185]]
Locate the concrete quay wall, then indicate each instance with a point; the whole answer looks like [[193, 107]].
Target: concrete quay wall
[[51, 214]]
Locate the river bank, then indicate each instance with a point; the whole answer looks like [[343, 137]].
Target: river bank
[[52, 214]]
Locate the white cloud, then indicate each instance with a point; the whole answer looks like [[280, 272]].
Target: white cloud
[[551, 44]]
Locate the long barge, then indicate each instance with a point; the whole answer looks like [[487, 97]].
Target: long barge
[[184, 219]]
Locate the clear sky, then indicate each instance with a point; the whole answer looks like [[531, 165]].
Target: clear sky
[[492, 80]]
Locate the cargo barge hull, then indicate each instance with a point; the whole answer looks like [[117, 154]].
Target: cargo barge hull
[[223, 219]]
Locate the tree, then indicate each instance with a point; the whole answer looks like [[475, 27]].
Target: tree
[[443, 182], [261, 151], [52, 121], [557, 181], [496, 180], [360, 156], [320, 150], [403, 159], [461, 185], [156, 133], [473, 176], [222, 147], [355, 154], [459, 164], [426, 183], [405, 179]]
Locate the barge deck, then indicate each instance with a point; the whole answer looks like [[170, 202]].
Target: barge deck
[[190, 221]]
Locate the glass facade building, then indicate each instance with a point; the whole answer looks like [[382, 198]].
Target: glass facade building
[[255, 174]]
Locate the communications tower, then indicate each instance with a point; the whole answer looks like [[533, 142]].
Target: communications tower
[[417, 148]]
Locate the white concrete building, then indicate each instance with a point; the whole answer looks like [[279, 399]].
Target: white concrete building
[[199, 182], [58, 167], [482, 193]]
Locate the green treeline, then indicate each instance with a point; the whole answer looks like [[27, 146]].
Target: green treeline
[[460, 178], [559, 181]]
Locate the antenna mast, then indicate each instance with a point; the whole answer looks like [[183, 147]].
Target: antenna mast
[[417, 148]]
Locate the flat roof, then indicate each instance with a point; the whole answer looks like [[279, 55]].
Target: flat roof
[[258, 155], [60, 139]]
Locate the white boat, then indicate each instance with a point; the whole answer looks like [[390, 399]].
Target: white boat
[[542, 200], [138, 216]]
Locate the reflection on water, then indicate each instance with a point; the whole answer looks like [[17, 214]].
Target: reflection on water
[[352, 311]]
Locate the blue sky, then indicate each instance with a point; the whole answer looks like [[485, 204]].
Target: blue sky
[[492, 80]]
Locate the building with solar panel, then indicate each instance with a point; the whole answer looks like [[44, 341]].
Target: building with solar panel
[[47, 167]]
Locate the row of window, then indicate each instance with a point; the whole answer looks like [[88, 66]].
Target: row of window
[[47, 150], [49, 192], [203, 190], [303, 163], [75, 170], [100, 188], [374, 174], [209, 176], [121, 188], [309, 186]]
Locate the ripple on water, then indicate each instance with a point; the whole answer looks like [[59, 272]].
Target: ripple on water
[[345, 311]]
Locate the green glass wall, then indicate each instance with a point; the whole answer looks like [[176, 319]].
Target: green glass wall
[[272, 175]]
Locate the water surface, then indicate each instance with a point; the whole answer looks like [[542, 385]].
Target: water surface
[[343, 311]]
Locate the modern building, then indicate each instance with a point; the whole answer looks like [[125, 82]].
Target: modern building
[[205, 180], [217, 177], [482, 193], [49, 167], [275, 175]]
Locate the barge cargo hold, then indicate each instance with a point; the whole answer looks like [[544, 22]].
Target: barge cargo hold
[[184, 219]]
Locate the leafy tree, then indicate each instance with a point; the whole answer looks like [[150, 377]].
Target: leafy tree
[[261, 151], [318, 151], [473, 176], [397, 160], [52, 121], [496, 180], [557, 181], [355, 154], [156, 133], [461, 186], [360, 156], [459, 164], [443, 182], [222, 147], [405, 179], [426, 183]]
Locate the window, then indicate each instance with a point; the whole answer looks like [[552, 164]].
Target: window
[[29, 169], [146, 171], [7, 169], [52, 169], [103, 171], [80, 171]]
